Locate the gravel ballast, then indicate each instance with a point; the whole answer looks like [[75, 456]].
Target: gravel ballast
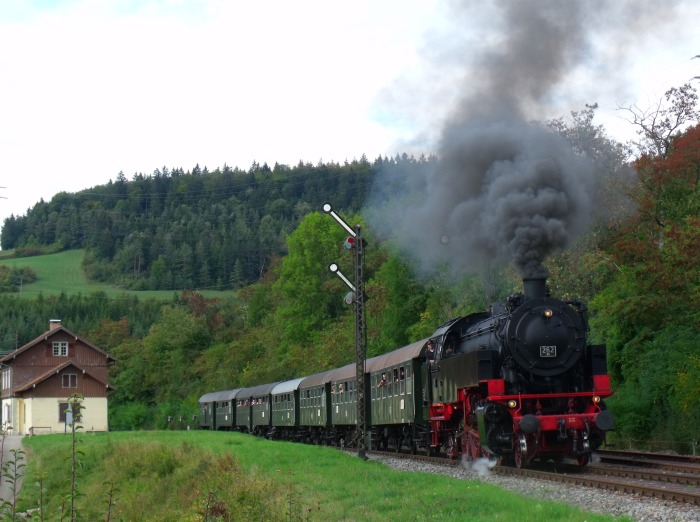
[[641, 509]]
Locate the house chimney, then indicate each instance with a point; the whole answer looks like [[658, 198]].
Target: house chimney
[[54, 323]]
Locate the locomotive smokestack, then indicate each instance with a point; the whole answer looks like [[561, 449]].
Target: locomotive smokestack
[[535, 288]]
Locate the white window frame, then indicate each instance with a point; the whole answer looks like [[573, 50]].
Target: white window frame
[[60, 349]]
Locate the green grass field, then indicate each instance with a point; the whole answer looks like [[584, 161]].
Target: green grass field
[[198, 475], [62, 272]]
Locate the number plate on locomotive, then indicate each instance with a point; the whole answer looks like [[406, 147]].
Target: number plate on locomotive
[[548, 351]]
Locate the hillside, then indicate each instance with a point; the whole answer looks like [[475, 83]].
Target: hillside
[[173, 229], [62, 273]]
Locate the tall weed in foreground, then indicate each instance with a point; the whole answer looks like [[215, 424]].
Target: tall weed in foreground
[[75, 407]]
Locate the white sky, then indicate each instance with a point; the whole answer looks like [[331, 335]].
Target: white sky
[[89, 88]]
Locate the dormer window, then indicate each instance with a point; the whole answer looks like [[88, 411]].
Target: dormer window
[[60, 349]]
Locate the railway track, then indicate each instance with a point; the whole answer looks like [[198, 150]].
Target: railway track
[[674, 479]]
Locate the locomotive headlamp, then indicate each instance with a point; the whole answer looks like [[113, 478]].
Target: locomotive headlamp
[[547, 313], [512, 404], [596, 399]]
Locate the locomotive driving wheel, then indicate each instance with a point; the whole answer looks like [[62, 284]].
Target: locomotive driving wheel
[[520, 451], [451, 447], [473, 448]]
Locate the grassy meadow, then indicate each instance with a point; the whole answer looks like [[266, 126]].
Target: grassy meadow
[[196, 475], [62, 273]]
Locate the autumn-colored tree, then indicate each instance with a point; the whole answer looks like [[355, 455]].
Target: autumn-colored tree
[[660, 124], [656, 293]]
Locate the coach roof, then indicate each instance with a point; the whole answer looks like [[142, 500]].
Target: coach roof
[[256, 391], [399, 356], [287, 386], [219, 396]]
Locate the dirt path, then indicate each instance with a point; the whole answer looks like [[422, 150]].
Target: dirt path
[[12, 442]]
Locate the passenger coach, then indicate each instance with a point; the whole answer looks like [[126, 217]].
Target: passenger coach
[[217, 410], [285, 410]]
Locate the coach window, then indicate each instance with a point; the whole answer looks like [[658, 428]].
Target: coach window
[[409, 379], [402, 380]]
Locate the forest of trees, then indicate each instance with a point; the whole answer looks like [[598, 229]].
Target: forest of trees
[[285, 317], [200, 229]]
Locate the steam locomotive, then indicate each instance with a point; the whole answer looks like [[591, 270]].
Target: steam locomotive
[[519, 382]]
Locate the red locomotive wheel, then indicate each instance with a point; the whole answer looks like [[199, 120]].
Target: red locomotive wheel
[[451, 447], [473, 449], [518, 457]]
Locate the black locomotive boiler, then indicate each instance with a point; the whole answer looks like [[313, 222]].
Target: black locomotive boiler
[[529, 384]]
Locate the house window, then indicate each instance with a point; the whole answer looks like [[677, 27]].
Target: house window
[[6, 380], [70, 380], [63, 407], [60, 349]]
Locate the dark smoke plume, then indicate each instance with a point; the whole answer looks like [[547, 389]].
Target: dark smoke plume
[[503, 189]]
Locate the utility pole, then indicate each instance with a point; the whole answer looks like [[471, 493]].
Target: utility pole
[[356, 297]]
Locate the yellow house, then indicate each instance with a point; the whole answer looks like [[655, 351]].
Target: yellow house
[[39, 378]]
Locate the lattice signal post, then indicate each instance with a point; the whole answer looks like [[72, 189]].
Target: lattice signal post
[[356, 297]]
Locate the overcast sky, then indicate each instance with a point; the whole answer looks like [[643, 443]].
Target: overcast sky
[[89, 88]]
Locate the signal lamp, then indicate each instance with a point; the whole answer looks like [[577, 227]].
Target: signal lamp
[[547, 313], [349, 243], [596, 399], [512, 404]]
